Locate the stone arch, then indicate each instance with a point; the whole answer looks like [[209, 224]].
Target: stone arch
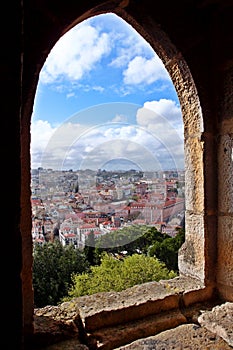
[[192, 257], [191, 260], [197, 258]]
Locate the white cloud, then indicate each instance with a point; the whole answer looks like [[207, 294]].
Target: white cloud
[[78, 51], [163, 119], [109, 141], [50, 145], [158, 131], [163, 113], [71, 94], [152, 140], [127, 48], [118, 149], [128, 45], [98, 88], [74, 145], [168, 109], [75, 54], [144, 71], [120, 119], [41, 132]]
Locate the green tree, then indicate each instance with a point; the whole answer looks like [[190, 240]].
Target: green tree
[[89, 249], [167, 249], [53, 266], [132, 239], [149, 236], [127, 238], [116, 275]]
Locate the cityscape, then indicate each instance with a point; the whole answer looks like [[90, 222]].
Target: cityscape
[[69, 205], [83, 117]]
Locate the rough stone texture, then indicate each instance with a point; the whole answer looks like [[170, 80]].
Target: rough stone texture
[[225, 257], [110, 338], [225, 195], [226, 127], [105, 309], [194, 40], [226, 103], [194, 189], [191, 255], [219, 321], [108, 320], [72, 344], [54, 324], [226, 180], [190, 336]]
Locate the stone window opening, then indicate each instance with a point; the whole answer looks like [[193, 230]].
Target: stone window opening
[[47, 165], [191, 261], [208, 205]]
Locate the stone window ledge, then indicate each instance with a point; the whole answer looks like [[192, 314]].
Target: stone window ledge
[[141, 310]]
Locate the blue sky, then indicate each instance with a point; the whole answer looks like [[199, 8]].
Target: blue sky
[[105, 100]]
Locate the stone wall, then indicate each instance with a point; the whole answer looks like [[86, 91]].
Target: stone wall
[[194, 41], [161, 315]]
